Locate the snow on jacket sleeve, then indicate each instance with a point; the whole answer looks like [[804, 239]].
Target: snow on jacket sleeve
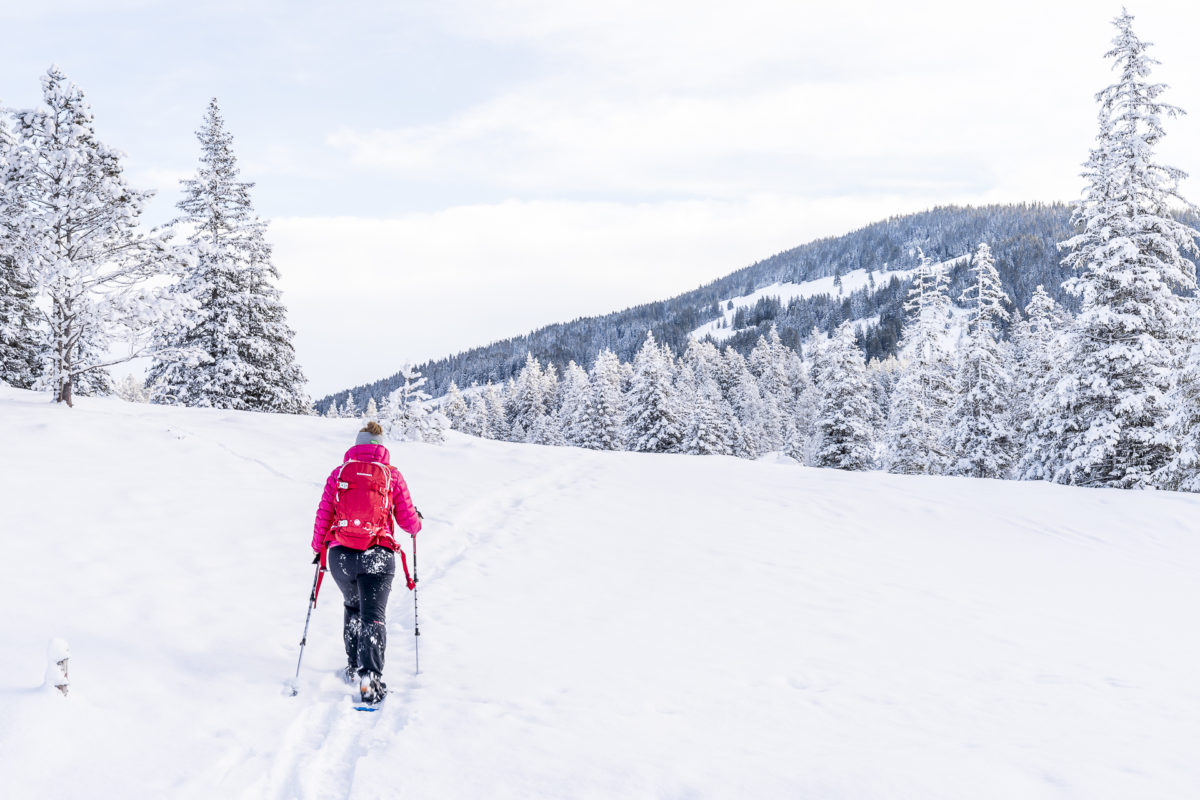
[[325, 512], [402, 504]]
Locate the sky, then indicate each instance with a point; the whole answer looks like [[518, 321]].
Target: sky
[[459, 171]]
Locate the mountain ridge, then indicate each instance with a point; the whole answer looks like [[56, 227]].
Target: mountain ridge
[[1024, 238]]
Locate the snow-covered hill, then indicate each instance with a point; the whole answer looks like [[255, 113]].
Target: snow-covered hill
[[594, 624]]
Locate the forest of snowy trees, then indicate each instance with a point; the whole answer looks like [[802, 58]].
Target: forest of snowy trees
[[83, 287]]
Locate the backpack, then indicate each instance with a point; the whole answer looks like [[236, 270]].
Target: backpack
[[362, 504]]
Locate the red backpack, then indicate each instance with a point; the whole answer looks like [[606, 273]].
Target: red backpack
[[362, 504]]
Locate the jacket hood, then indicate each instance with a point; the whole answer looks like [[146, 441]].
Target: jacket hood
[[369, 452]]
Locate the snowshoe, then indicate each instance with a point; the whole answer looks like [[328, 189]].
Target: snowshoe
[[371, 689]]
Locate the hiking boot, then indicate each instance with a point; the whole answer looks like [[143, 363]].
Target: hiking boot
[[349, 675], [371, 688]]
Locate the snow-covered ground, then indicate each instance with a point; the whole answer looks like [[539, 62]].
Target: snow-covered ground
[[594, 625], [786, 292]]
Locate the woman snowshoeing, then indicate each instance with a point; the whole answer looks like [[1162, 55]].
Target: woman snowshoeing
[[354, 531]]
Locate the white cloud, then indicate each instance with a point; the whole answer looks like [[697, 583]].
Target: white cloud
[[686, 99]]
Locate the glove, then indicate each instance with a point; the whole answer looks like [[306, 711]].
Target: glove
[[316, 558], [411, 584]]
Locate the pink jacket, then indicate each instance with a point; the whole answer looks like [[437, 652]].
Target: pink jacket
[[402, 505]]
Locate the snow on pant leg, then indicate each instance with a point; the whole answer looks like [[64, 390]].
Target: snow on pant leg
[[344, 566], [374, 586]]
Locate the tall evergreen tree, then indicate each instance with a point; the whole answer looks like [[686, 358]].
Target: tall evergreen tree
[[773, 365], [77, 237], [476, 422], [805, 438], [844, 431], [923, 394], [241, 321], [573, 404], [1183, 473], [654, 420], [455, 408], [982, 441], [1038, 342], [19, 361], [497, 413], [1112, 407], [602, 421], [527, 401], [711, 427]]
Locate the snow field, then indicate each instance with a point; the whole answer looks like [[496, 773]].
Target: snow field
[[594, 624], [852, 281]]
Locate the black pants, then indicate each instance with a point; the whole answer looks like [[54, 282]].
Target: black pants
[[365, 578]]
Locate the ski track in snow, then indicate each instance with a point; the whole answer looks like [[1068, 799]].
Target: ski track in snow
[[322, 748]]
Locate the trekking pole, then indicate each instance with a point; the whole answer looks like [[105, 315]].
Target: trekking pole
[[416, 624], [312, 602]]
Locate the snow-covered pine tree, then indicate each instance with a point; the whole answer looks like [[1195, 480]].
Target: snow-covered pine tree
[[372, 411], [1183, 472], [526, 402], [432, 427], [757, 420], [774, 365], [131, 389], [601, 426], [547, 429], [740, 389], [981, 438], [19, 360], [78, 240], [407, 418], [1111, 410], [805, 437], [497, 416], [476, 422], [846, 439], [708, 429], [349, 408], [922, 398], [883, 376], [654, 419], [332, 411], [1038, 343], [712, 424], [550, 388], [574, 390], [455, 408], [703, 358], [241, 321]]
